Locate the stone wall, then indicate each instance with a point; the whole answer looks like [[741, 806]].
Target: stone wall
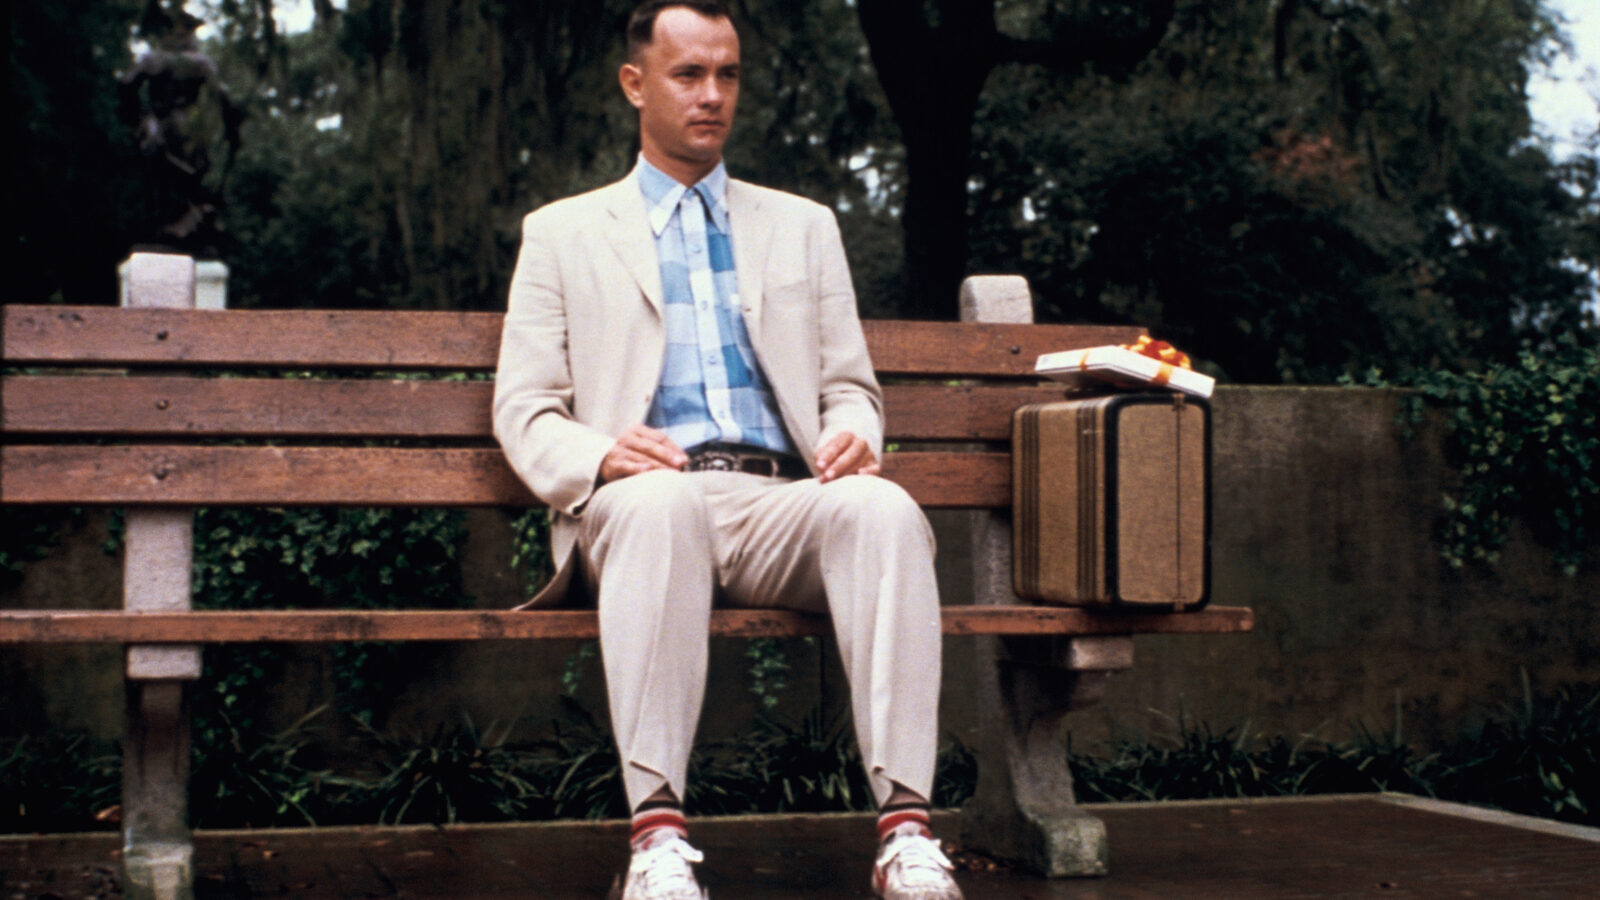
[[1324, 522]]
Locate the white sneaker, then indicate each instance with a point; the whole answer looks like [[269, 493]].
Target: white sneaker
[[912, 867], [663, 872]]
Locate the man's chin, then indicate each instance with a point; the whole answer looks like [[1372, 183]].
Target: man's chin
[[704, 153]]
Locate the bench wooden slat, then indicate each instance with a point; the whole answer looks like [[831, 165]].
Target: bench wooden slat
[[173, 406], [313, 626], [170, 406], [927, 412], [309, 339], [968, 349], [388, 339], [153, 475]]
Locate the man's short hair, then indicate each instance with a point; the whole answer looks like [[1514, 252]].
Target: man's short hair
[[642, 24]]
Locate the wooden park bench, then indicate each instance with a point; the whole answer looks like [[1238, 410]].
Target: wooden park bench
[[123, 407]]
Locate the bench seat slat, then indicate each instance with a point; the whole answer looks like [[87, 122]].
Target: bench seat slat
[[389, 339], [176, 406], [314, 626], [154, 475]]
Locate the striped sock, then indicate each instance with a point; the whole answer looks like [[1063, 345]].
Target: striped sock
[[656, 819], [912, 817]]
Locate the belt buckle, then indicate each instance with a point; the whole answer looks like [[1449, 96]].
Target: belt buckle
[[716, 461]]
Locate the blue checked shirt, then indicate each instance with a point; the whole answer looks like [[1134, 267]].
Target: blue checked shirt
[[712, 388]]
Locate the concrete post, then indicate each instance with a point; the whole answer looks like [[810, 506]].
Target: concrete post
[[210, 285], [1024, 808], [158, 849]]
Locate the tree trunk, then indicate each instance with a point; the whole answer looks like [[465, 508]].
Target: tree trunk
[[932, 75], [932, 60], [935, 217]]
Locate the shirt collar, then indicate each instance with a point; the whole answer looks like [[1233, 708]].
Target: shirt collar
[[662, 193]]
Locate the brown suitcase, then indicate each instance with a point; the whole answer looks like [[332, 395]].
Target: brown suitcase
[[1113, 501]]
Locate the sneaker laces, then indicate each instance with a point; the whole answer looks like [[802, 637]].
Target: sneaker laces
[[662, 870], [914, 862]]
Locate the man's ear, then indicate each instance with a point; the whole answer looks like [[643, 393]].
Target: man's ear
[[631, 77]]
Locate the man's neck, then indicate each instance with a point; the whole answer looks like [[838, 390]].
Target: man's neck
[[684, 172]]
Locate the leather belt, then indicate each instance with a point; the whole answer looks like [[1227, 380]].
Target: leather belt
[[716, 457]]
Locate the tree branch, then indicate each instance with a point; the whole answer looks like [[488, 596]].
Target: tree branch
[[1091, 42]]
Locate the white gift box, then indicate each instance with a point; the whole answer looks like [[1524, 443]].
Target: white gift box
[[1121, 366]]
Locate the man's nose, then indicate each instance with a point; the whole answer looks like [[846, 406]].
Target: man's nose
[[711, 93]]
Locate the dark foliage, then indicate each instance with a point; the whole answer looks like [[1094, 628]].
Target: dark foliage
[[1290, 190], [1541, 758], [58, 781]]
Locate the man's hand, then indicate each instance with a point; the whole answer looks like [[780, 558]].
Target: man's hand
[[641, 449], [844, 455]]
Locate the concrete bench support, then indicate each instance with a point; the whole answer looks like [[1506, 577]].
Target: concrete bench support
[[158, 551], [1024, 808]]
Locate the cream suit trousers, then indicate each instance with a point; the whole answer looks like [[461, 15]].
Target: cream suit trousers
[[656, 547]]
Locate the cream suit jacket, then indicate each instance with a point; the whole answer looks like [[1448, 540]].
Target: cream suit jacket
[[583, 342]]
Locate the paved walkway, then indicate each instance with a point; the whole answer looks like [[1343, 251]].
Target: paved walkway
[[1360, 846]]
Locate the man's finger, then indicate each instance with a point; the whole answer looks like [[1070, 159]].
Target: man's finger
[[641, 449], [655, 445], [855, 457], [849, 457], [828, 453]]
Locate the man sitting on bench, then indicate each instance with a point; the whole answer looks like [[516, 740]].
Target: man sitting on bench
[[683, 379]]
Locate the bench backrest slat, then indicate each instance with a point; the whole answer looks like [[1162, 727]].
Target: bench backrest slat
[[464, 341], [180, 407], [156, 475], [972, 350], [174, 407], [304, 339]]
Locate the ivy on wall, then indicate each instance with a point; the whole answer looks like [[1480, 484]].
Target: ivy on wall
[[530, 548], [28, 538], [1526, 437], [323, 558]]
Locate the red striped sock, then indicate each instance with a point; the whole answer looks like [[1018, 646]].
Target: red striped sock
[[891, 818], [656, 819]]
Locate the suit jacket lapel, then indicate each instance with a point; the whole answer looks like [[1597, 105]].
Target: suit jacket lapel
[[752, 239], [632, 240]]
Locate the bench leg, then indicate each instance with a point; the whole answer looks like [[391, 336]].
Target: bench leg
[[1024, 808], [157, 849]]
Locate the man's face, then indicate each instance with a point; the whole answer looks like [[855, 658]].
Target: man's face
[[685, 84]]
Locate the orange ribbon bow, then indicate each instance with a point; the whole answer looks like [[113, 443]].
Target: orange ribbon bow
[[1168, 355]]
